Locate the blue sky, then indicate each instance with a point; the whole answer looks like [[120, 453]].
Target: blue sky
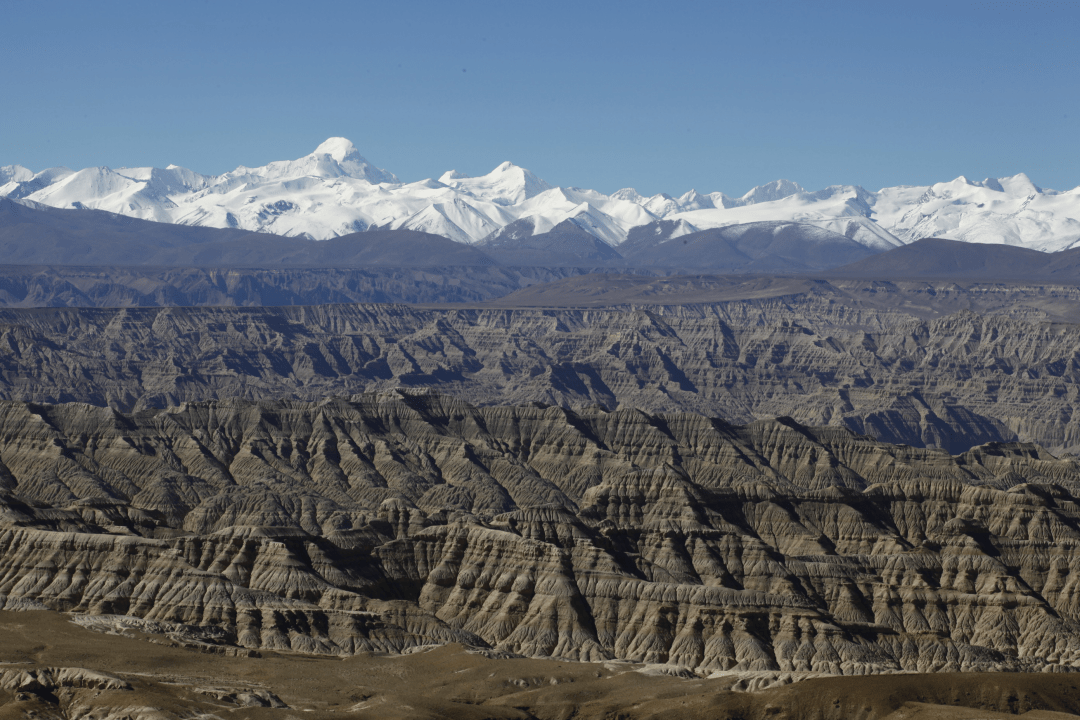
[[662, 97]]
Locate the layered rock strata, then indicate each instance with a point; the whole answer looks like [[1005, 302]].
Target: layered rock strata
[[950, 381], [396, 520]]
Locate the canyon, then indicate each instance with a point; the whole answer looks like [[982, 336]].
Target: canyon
[[398, 520], [925, 364]]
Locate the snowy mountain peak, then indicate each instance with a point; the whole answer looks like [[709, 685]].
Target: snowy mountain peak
[[507, 184], [334, 158], [776, 190], [14, 173], [338, 148], [509, 169], [1019, 186], [334, 190], [694, 200], [350, 162], [629, 195]]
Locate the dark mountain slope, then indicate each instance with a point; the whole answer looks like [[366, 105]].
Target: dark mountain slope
[[51, 236], [31, 286], [938, 258], [747, 248], [566, 244], [380, 248], [41, 234]]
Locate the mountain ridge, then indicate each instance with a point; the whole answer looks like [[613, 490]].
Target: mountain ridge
[[335, 191], [868, 356], [387, 522], [36, 234]]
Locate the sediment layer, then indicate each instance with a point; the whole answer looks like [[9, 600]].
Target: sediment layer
[[394, 520], [953, 381]]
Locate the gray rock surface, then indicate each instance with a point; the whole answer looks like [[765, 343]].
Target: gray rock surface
[[876, 358], [398, 520]]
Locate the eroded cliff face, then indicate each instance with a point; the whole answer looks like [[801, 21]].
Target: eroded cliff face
[[953, 381], [394, 520]]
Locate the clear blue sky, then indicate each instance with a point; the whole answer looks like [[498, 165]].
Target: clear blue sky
[[659, 96]]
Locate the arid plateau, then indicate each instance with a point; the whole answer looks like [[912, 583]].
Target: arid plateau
[[507, 491]]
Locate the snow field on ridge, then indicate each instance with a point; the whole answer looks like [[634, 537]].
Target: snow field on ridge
[[335, 191]]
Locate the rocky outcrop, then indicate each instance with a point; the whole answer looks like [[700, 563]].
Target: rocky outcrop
[[952, 381], [50, 679], [397, 520]]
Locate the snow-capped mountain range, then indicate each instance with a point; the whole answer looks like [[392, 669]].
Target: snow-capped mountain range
[[335, 191]]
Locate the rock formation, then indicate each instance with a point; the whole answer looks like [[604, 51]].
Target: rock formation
[[910, 365], [395, 520]]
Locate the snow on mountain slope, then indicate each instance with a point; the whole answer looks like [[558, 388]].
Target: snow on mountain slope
[[694, 200], [776, 190], [100, 188], [334, 158], [507, 184], [335, 191], [844, 209], [1010, 210], [456, 219], [862, 230], [596, 222], [15, 174], [18, 190], [607, 217]]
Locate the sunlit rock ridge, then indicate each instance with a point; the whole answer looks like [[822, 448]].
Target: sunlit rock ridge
[[336, 191], [394, 520]]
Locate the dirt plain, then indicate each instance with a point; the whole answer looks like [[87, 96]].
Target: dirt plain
[[140, 676]]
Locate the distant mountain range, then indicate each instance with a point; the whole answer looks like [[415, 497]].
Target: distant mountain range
[[334, 191], [41, 235]]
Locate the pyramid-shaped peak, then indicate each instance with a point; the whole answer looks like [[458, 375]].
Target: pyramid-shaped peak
[[629, 195], [776, 190], [15, 173], [508, 167], [338, 148], [694, 200], [507, 184], [344, 159], [1019, 185]]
